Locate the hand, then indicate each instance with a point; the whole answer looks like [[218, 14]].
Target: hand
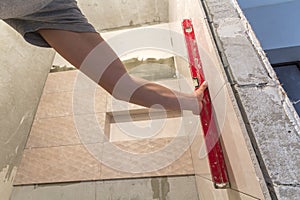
[[199, 94]]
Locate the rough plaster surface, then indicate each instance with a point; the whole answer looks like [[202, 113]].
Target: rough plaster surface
[[288, 192], [23, 71], [271, 118], [277, 138], [164, 188]]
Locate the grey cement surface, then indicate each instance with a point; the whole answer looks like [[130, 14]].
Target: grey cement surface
[[161, 188], [275, 135], [266, 109], [288, 192], [23, 72]]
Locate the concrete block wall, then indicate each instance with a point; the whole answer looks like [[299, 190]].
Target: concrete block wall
[[267, 112], [23, 72]]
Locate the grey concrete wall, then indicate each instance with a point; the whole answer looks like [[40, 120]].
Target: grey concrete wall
[[23, 71], [270, 119]]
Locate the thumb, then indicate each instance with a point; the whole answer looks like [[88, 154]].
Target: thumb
[[202, 88]]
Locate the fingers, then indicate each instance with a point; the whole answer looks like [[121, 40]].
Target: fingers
[[200, 91], [203, 87]]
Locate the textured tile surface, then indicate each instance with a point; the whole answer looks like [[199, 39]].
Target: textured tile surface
[[60, 104], [60, 82], [154, 157], [68, 130], [57, 164], [51, 132]]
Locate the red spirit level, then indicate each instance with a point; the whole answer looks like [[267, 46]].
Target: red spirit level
[[213, 145]]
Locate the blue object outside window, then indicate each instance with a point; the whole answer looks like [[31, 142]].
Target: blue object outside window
[[289, 76]]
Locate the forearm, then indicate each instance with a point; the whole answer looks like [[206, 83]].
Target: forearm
[[139, 91], [150, 93], [93, 56]]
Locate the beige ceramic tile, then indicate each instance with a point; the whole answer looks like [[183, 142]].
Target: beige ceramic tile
[[121, 165], [199, 156], [89, 101], [55, 105], [66, 103], [239, 163], [143, 146], [185, 78], [117, 106], [68, 130], [60, 82], [212, 66], [60, 61], [67, 81], [207, 191], [57, 164], [100, 100], [52, 132], [169, 83], [155, 128], [183, 166], [92, 128], [185, 9]]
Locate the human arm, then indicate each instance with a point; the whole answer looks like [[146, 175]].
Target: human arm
[[76, 47]]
